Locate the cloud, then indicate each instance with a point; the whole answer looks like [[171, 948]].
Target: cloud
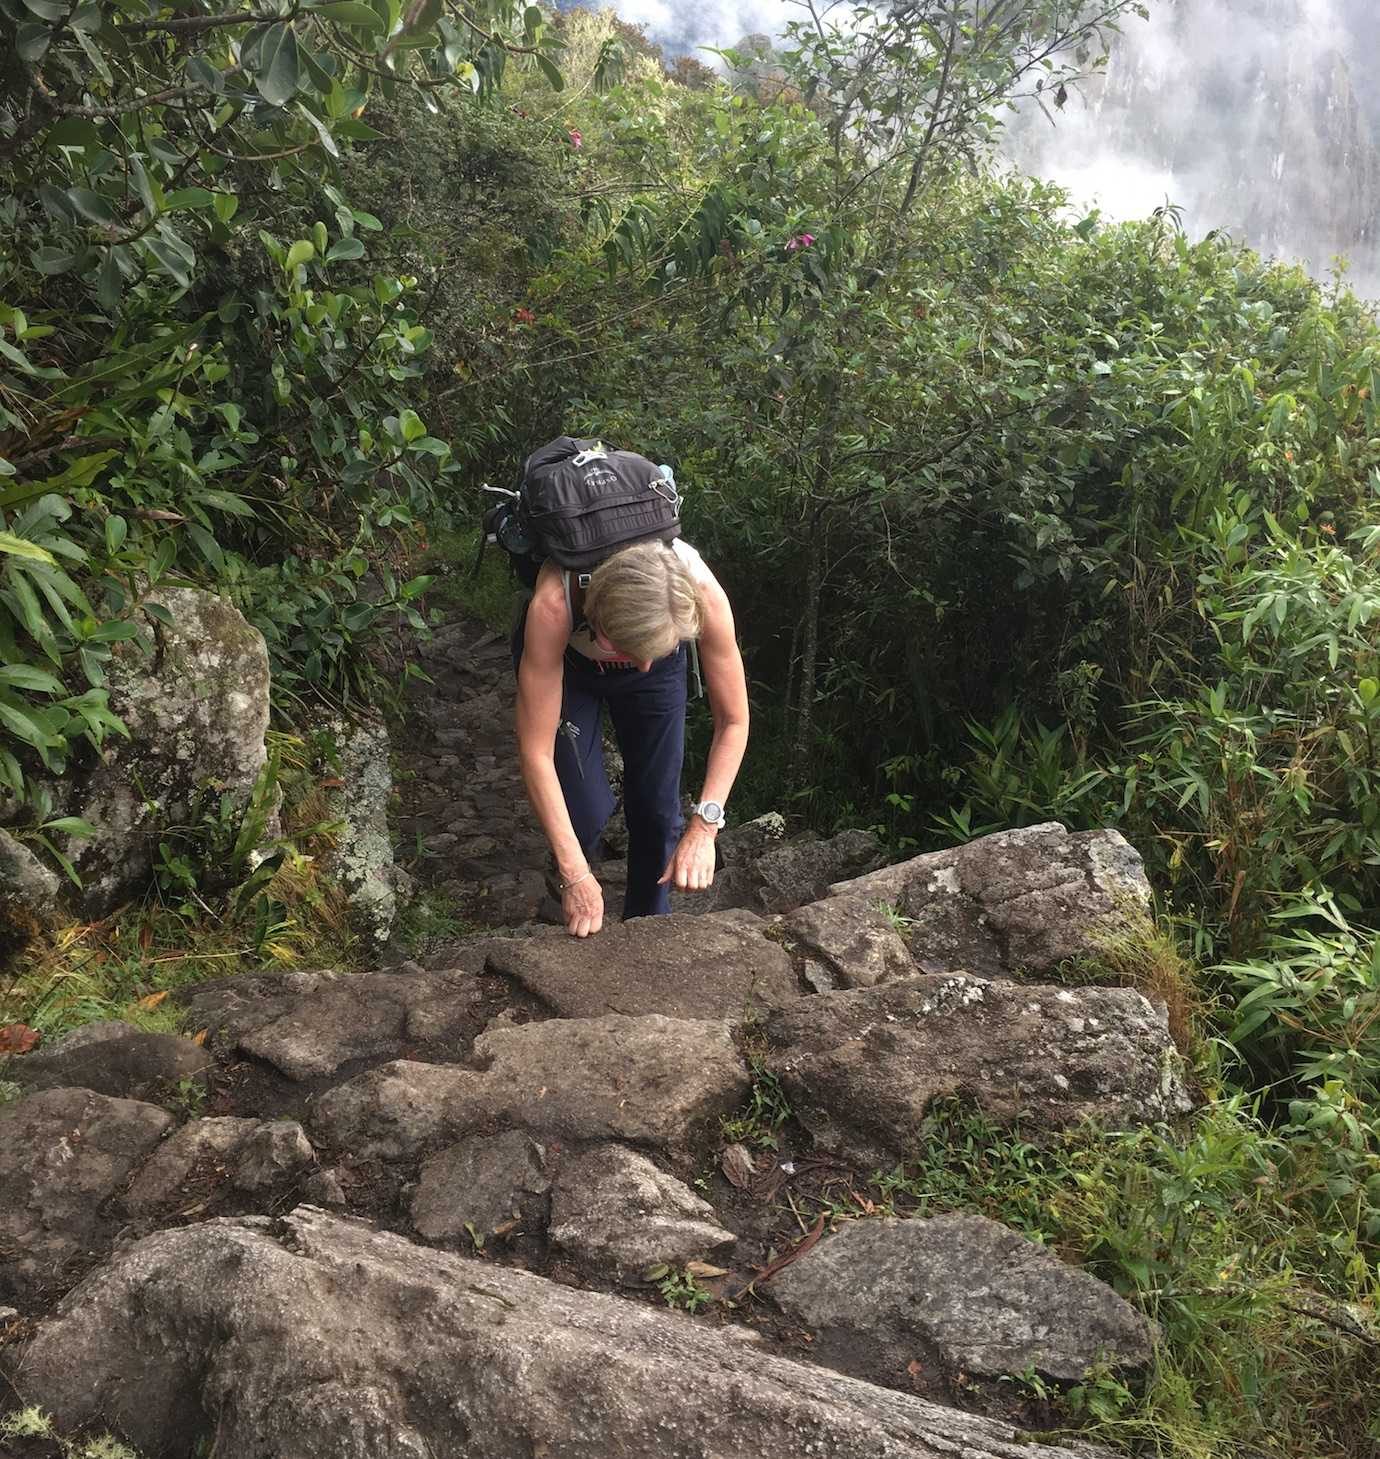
[[1246, 113], [1259, 117], [682, 27]]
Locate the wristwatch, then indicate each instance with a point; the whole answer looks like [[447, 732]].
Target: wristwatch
[[710, 812]]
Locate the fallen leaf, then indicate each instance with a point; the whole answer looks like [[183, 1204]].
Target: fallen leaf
[[506, 1229], [154, 999], [199, 1037], [18, 1038], [915, 1368], [737, 1165], [145, 936], [703, 1269]]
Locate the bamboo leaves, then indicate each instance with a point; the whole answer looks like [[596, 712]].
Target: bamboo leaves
[[18, 547]]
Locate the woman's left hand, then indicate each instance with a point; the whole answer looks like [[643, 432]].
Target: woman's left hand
[[691, 869]]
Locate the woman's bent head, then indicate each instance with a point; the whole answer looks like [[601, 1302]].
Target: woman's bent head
[[644, 601]]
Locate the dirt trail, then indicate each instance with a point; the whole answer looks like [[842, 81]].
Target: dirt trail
[[464, 823]]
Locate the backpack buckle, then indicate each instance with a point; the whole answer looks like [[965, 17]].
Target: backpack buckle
[[595, 452], [584, 579]]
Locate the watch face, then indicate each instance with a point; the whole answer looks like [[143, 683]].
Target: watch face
[[711, 811]]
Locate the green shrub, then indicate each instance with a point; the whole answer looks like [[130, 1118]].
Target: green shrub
[[1260, 1283]]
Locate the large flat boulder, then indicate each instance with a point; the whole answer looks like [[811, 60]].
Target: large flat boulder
[[1014, 904], [313, 1335], [311, 1024], [861, 1067], [961, 1292], [67, 1151], [718, 966], [649, 1081]]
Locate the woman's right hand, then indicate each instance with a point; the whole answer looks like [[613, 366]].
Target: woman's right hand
[[583, 907]]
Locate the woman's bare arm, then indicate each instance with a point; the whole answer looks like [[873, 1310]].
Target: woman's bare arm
[[540, 678], [726, 683], [691, 867]]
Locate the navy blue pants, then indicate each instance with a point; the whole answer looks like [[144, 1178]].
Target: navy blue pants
[[648, 714]]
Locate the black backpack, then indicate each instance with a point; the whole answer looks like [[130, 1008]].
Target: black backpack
[[578, 502]]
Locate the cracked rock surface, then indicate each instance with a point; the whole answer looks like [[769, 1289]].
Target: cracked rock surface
[[314, 1335], [716, 966], [862, 1067], [962, 1291], [67, 1152], [309, 1024], [614, 1210], [1014, 904], [651, 1081]]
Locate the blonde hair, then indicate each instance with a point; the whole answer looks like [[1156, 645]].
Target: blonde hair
[[644, 600]]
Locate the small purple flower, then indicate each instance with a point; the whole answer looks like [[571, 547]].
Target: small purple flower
[[801, 240]]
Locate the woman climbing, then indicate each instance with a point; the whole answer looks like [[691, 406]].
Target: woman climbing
[[618, 636]]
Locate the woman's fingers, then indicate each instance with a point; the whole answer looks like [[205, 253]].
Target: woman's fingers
[[693, 870], [583, 906]]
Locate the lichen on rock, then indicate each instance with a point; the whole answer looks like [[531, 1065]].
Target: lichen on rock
[[194, 695], [362, 861]]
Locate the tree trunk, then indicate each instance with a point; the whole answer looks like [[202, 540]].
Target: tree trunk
[[792, 667], [802, 741]]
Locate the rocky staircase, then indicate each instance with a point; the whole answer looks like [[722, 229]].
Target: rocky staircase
[[438, 1210]]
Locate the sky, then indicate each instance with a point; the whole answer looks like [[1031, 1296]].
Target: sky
[[1229, 108]]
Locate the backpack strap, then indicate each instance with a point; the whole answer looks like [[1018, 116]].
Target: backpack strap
[[581, 582]]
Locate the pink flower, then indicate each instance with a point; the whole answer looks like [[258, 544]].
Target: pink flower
[[576, 140], [801, 240]]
